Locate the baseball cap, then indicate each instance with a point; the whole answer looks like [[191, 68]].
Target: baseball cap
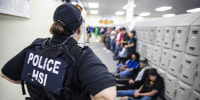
[[144, 60], [70, 15], [153, 72]]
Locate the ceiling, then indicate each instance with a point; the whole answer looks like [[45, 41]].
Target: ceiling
[[109, 7]]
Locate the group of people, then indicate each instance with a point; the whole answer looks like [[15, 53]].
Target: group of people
[[134, 77]]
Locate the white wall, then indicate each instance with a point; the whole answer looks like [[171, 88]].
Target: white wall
[[93, 20], [16, 33]]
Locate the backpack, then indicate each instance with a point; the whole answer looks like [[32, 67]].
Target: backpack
[[39, 85]]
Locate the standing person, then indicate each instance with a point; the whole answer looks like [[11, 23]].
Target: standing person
[[112, 36], [57, 68], [88, 34], [130, 47], [123, 53], [151, 89], [118, 40], [96, 31]]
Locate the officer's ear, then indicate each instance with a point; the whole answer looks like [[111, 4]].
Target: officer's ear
[[79, 31]]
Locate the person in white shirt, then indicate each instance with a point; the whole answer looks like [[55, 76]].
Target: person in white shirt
[[135, 83]]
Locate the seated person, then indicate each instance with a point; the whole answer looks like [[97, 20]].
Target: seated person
[[131, 67], [152, 87], [135, 83]]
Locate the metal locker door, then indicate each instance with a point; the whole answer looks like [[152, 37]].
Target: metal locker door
[[170, 89], [165, 58], [159, 36], [144, 50], [197, 79], [156, 55], [150, 52], [189, 65], [168, 37], [141, 34], [181, 35], [151, 35], [193, 46], [146, 34], [175, 63], [183, 92], [195, 96]]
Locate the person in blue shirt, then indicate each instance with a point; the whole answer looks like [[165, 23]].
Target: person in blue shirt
[[131, 67]]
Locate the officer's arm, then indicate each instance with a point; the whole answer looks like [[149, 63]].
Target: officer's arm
[[106, 94], [10, 80]]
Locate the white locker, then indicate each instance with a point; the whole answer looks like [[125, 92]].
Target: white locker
[[170, 84], [183, 91], [197, 79], [151, 38], [144, 50], [141, 33], [193, 46], [138, 32], [175, 63], [168, 37], [189, 65], [157, 55], [150, 52], [195, 96], [181, 34], [159, 36], [154, 66], [162, 73], [146, 34], [165, 58], [139, 46]]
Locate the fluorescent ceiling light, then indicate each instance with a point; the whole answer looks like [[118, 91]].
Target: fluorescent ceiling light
[[163, 8], [93, 5], [120, 13], [125, 6], [194, 10], [169, 15], [94, 12], [74, 3], [145, 14]]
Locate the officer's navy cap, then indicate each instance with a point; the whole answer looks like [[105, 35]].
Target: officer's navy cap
[[70, 15]]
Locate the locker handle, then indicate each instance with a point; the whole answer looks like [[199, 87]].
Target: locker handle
[[171, 69], [179, 31], [163, 64], [151, 30], [167, 31], [165, 53], [169, 80], [197, 99], [192, 48], [195, 32], [182, 88], [166, 43], [174, 56], [185, 76], [177, 45], [158, 30], [188, 61]]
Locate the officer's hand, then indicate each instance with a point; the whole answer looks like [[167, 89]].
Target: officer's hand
[[131, 81]]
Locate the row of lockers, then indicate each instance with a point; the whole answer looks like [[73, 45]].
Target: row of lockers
[[177, 63], [179, 38], [176, 89], [177, 68]]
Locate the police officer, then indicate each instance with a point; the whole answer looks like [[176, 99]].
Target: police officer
[[58, 68]]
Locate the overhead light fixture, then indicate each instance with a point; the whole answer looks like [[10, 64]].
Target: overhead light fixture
[[125, 6], [120, 13], [193, 10], [163, 8], [169, 15], [94, 12], [74, 3], [93, 5], [145, 14]]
